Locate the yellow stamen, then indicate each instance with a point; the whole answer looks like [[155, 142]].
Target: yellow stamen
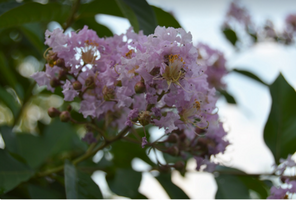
[[129, 53], [132, 71], [174, 71]]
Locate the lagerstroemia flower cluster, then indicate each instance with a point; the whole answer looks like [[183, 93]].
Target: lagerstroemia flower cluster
[[290, 185], [238, 17], [136, 79]]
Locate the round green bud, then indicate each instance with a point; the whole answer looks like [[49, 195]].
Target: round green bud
[[140, 87], [173, 151], [54, 83], [65, 116], [144, 118], [77, 85], [53, 112]]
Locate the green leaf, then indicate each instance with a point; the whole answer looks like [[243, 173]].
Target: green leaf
[[109, 7], [39, 192], [129, 14], [230, 36], [123, 158], [5, 6], [6, 74], [231, 187], [34, 12], [101, 30], [250, 75], [139, 13], [144, 13], [165, 19], [172, 190], [80, 185], [12, 172], [233, 183], [34, 34], [57, 138], [9, 100], [280, 128], [125, 182], [229, 98]]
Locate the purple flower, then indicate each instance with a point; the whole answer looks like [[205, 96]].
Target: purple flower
[[284, 164], [239, 13], [168, 122], [144, 141], [277, 193], [69, 92], [179, 92], [291, 22], [215, 65], [132, 117], [209, 166], [89, 138]]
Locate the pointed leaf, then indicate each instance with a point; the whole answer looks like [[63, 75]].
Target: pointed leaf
[[12, 172], [125, 182], [129, 14], [6, 74], [9, 100], [5, 6], [233, 183], [101, 30], [172, 190], [230, 36], [165, 19], [34, 34], [80, 185], [34, 12], [109, 7], [250, 75], [57, 138], [280, 129], [145, 15], [131, 150], [229, 98]]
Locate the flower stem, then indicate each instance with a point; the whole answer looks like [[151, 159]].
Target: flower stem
[[88, 153], [72, 15]]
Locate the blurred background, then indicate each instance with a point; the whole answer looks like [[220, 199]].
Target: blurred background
[[244, 121]]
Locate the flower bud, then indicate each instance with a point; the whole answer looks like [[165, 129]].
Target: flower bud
[[53, 112], [173, 151], [62, 75], [89, 82], [51, 58], [76, 85], [144, 118], [173, 138], [283, 179], [155, 71], [140, 87], [54, 82], [108, 93], [60, 62], [65, 116], [164, 168], [180, 165], [119, 83]]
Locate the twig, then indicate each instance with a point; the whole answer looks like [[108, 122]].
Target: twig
[[72, 15], [88, 153]]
